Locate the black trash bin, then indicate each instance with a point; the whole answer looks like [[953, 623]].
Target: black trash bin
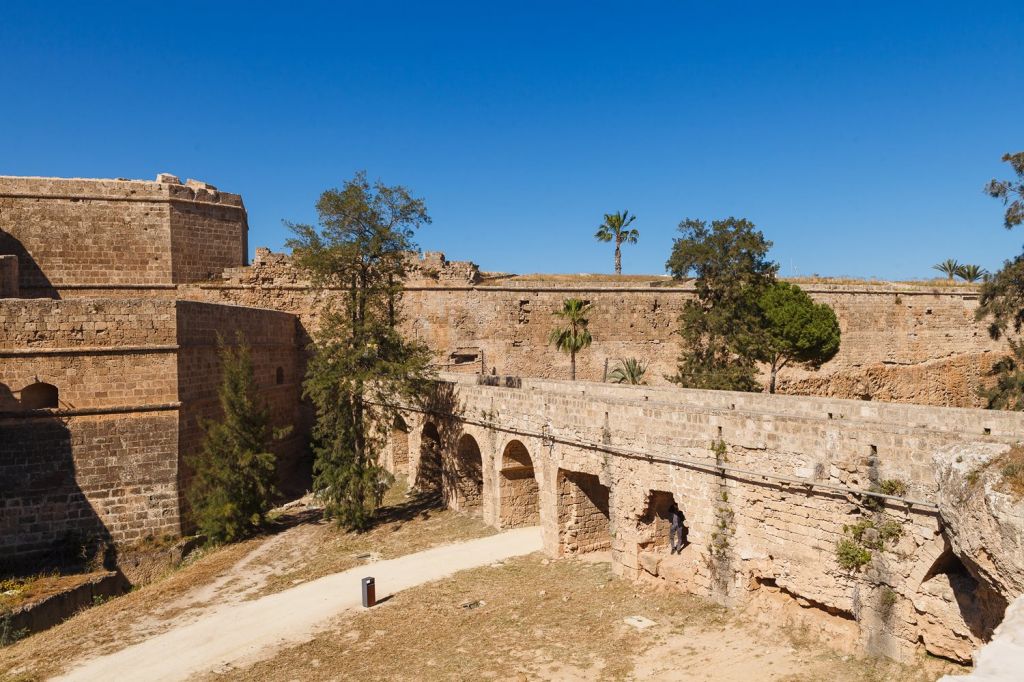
[[369, 593]]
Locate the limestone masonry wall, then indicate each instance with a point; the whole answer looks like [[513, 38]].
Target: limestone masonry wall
[[9, 277], [276, 358], [74, 232], [901, 343], [132, 378], [762, 534]]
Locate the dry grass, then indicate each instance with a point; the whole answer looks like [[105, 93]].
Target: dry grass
[[531, 619], [302, 547], [108, 627], [405, 525], [1011, 467]]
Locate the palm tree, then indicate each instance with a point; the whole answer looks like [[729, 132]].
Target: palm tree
[[948, 267], [614, 228], [971, 273], [572, 336], [628, 371]]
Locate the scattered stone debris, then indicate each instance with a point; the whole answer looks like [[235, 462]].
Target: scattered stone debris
[[639, 622]]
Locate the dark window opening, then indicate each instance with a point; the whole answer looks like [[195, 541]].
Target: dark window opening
[[280, 375], [39, 396]]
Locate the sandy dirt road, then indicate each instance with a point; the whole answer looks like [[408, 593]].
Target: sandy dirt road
[[241, 633]]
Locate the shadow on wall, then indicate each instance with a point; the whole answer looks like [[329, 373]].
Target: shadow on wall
[[33, 282], [438, 468], [47, 520]]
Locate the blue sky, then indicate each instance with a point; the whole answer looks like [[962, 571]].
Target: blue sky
[[857, 136]]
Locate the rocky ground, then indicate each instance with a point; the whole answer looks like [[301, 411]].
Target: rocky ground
[[525, 618]]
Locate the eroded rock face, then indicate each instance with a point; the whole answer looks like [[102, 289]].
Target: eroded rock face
[[1002, 659], [982, 519]]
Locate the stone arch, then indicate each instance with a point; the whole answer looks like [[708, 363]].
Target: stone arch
[[40, 395], [520, 493], [980, 607], [399, 446], [429, 476], [468, 486], [584, 513]]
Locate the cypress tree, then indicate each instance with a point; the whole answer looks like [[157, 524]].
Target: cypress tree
[[362, 369], [233, 484]]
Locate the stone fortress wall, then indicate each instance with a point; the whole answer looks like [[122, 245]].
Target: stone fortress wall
[[105, 375], [108, 364], [900, 342], [73, 234], [604, 462]]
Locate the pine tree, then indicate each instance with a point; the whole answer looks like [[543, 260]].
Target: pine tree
[[797, 330], [723, 329], [362, 369], [233, 484]]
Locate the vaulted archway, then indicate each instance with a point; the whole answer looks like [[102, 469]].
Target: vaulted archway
[[520, 494], [429, 475], [468, 486]]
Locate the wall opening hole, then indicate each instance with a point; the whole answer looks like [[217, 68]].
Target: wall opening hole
[[39, 396]]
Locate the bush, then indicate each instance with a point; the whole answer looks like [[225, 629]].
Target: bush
[[851, 555], [894, 487], [8, 635]]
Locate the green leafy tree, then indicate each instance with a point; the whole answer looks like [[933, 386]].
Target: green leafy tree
[[971, 273], [1011, 192], [1007, 393], [615, 228], [571, 335], [628, 371], [723, 329], [797, 330], [949, 267], [233, 483], [1002, 299], [362, 368]]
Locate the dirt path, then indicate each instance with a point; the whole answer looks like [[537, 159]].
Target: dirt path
[[240, 633]]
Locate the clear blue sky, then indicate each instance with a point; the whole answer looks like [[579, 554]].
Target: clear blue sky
[[856, 135]]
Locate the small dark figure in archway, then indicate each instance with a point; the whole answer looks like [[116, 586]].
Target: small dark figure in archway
[[677, 531]]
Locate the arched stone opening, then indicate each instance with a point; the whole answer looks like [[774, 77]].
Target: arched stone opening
[[981, 608], [429, 475], [520, 494], [279, 376], [468, 486], [39, 395], [584, 522], [399, 446]]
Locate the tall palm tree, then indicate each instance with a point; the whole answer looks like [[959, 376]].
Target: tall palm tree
[[971, 273], [615, 228], [572, 335], [949, 267], [628, 371]]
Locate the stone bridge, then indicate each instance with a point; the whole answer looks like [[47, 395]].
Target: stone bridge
[[769, 487]]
